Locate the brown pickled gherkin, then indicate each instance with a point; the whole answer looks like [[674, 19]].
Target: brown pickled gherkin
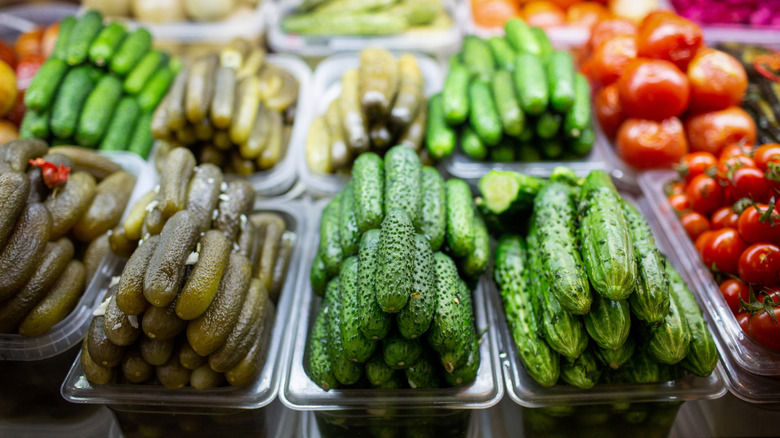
[[71, 202], [209, 331], [211, 155], [244, 110], [160, 125], [271, 81], [410, 98], [190, 359], [119, 243], [286, 247], [175, 110], [92, 370], [380, 136], [224, 97], [273, 147], [104, 352], [240, 165], [162, 323], [135, 368], [248, 243], [250, 366], [318, 147], [200, 88], [14, 189], [235, 202], [58, 302], [134, 222], [204, 377], [172, 375], [204, 130], [234, 54], [240, 339], [154, 221], [203, 194], [258, 136], [340, 153], [414, 136], [56, 256], [19, 152], [117, 325], [378, 82], [156, 351], [274, 227], [201, 287], [105, 211], [352, 118], [185, 136], [253, 62], [86, 160], [93, 256], [175, 180], [164, 274], [286, 95], [24, 248]]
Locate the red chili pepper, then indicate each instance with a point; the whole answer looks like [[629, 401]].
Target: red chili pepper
[[53, 176]]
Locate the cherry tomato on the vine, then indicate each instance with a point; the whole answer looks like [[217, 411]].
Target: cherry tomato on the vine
[[705, 193], [703, 240], [675, 188], [696, 163], [732, 291], [766, 330], [723, 249], [735, 150], [743, 319], [765, 154], [754, 229], [760, 264], [712, 131], [694, 224], [724, 217], [749, 182], [680, 202]]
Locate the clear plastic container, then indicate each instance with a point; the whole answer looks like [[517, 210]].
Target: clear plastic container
[[94, 423], [435, 42], [25, 17], [450, 423], [526, 392], [77, 389], [754, 370], [299, 392], [326, 86]]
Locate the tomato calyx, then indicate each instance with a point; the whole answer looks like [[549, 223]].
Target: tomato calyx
[[768, 66], [767, 216], [754, 306], [772, 172], [53, 176]]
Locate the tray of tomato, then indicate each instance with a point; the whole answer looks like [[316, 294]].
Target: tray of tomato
[[723, 212]]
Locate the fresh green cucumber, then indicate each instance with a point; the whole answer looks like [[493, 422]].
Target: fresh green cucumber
[[483, 114], [374, 322], [608, 322], [346, 371], [512, 117], [454, 95], [394, 280], [71, 95], [433, 207], [503, 53], [521, 38], [578, 118], [582, 372], [81, 36], [97, 111], [460, 217], [560, 75], [106, 43], [348, 230], [132, 49], [402, 182], [415, 318], [43, 88], [330, 241], [440, 138], [357, 347], [471, 145], [477, 57], [531, 84], [369, 182]]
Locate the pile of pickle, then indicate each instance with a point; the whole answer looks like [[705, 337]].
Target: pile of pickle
[[57, 207], [195, 301], [382, 104], [232, 109]]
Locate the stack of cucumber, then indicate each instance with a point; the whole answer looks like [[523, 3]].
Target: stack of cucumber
[[195, 301], [396, 308], [382, 104], [232, 109], [98, 88], [53, 232], [587, 294], [512, 99]]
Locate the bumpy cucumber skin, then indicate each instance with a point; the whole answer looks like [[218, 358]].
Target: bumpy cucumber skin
[[399, 352], [608, 322], [582, 372], [348, 230], [377, 371], [433, 206], [617, 357], [357, 347], [402, 182], [467, 372], [374, 322], [454, 96], [318, 275], [554, 221], [369, 180], [394, 282], [606, 244], [446, 331], [669, 342], [455, 358], [512, 275], [415, 318], [330, 242], [460, 217], [319, 366], [345, 371], [650, 300], [424, 373]]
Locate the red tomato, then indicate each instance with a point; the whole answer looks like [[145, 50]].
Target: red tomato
[[696, 163], [717, 81], [665, 35], [26, 69], [772, 292], [29, 43], [609, 112], [493, 13], [723, 250], [754, 230], [703, 240], [765, 154], [714, 130], [736, 150], [765, 330], [694, 224], [647, 144], [606, 29], [732, 291], [675, 188], [586, 14], [610, 60], [705, 193], [749, 182], [7, 54], [743, 319], [680, 203], [760, 263], [653, 89], [543, 14], [724, 217]]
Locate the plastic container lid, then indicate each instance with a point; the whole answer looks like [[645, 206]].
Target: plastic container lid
[[24, 17], [526, 392], [68, 332], [98, 424], [326, 87], [78, 389], [299, 392], [434, 42], [753, 369]]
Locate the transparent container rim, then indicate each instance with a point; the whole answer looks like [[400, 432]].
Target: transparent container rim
[[68, 332], [77, 389], [325, 78], [434, 43], [313, 398]]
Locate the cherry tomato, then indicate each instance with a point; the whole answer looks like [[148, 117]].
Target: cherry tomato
[[724, 217], [772, 292], [743, 319], [543, 14], [749, 182], [586, 14], [26, 68], [609, 112], [606, 29], [732, 291], [723, 250], [7, 54], [493, 13], [760, 263], [696, 163], [736, 150], [703, 240], [675, 188], [705, 193], [680, 203], [694, 224], [49, 39], [610, 60], [647, 144], [653, 89], [717, 80], [765, 154], [755, 230], [665, 35], [765, 330], [714, 130], [29, 43]]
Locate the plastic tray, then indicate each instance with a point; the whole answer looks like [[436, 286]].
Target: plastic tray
[[436, 42], [526, 392], [326, 86], [455, 424], [97, 424], [78, 389], [299, 392], [68, 332]]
